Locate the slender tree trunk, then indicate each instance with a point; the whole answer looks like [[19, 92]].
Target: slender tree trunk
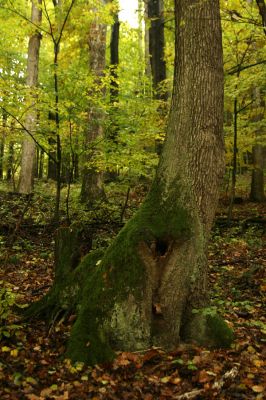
[[156, 47], [92, 179], [234, 166], [10, 160], [2, 145], [40, 167], [257, 181], [51, 169], [156, 52], [28, 146], [146, 41], [114, 59], [262, 10]]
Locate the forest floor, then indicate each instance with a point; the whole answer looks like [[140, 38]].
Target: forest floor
[[32, 364]]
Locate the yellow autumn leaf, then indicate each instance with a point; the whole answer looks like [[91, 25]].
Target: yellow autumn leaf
[[14, 352], [165, 379], [5, 349], [251, 349], [258, 363]]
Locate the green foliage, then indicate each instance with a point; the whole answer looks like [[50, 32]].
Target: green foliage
[[7, 301], [244, 49]]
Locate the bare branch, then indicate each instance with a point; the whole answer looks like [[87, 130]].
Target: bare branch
[[238, 68], [29, 133]]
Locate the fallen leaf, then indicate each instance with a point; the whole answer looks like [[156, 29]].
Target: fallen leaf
[[258, 388]]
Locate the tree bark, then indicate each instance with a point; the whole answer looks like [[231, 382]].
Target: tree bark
[[92, 179], [156, 47], [150, 287], [262, 10], [257, 181], [114, 59], [28, 146], [2, 145], [146, 286], [10, 162]]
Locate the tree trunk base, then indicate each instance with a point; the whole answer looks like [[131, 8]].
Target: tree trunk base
[[125, 298]]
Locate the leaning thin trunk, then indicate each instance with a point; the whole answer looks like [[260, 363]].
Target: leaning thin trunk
[[156, 47], [28, 146], [257, 181]]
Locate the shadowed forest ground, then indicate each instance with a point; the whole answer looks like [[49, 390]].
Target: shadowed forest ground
[[32, 364]]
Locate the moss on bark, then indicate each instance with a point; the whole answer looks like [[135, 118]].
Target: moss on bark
[[116, 305], [208, 330]]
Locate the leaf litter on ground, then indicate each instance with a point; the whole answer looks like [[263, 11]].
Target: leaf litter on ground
[[32, 364]]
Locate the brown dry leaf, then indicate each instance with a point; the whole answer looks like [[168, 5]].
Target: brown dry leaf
[[46, 392], [197, 360], [65, 396], [176, 380], [126, 357], [148, 396], [32, 397], [150, 354], [204, 376], [258, 388]]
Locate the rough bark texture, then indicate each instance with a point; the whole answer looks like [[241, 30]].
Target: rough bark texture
[[2, 144], [145, 288], [156, 47], [257, 181], [28, 146], [114, 59], [92, 180]]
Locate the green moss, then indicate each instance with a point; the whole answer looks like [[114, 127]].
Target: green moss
[[219, 332], [119, 275], [208, 330]]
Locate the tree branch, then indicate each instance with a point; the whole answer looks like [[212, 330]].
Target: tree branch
[[29, 133], [238, 68], [14, 11]]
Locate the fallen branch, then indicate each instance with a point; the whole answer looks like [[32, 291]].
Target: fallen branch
[[189, 395], [228, 375]]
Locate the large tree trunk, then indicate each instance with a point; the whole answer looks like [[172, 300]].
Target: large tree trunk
[[145, 288], [92, 179], [28, 146]]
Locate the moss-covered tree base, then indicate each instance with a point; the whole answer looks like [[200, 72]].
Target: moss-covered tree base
[[208, 330], [134, 295]]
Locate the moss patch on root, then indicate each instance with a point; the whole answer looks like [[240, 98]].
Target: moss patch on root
[[218, 332], [208, 330], [119, 276]]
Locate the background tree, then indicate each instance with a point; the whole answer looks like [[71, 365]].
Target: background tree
[[92, 178], [244, 53], [29, 146], [156, 47]]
